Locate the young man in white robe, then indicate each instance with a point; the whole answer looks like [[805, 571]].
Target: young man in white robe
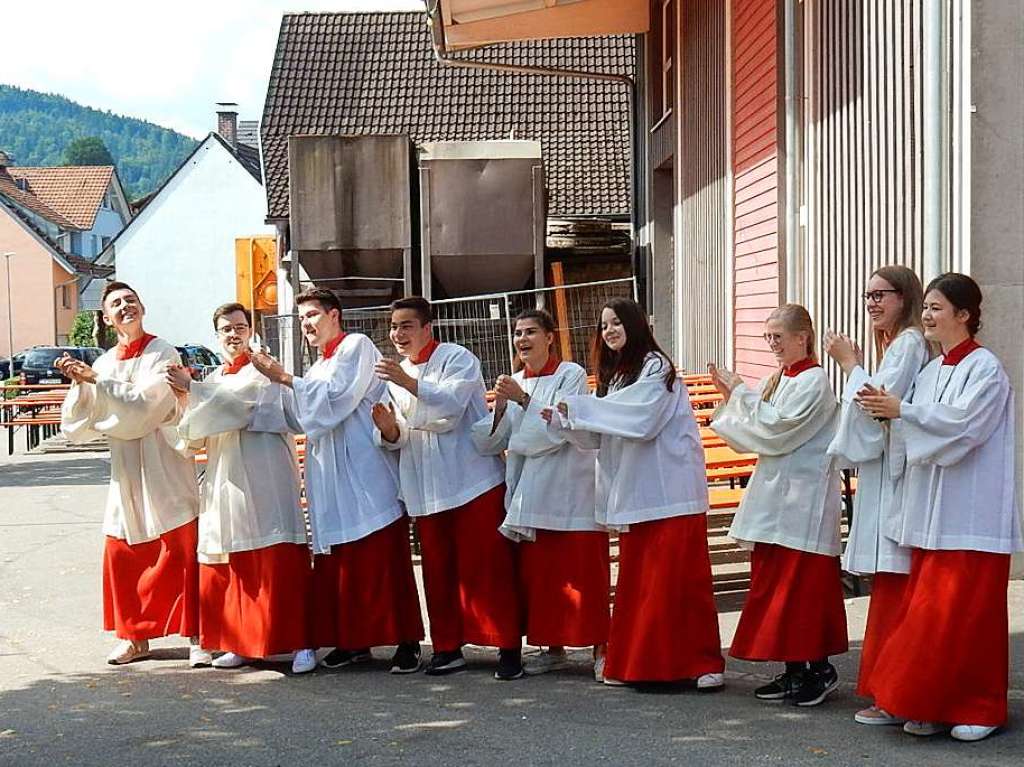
[[364, 590], [255, 571], [150, 571], [455, 494]]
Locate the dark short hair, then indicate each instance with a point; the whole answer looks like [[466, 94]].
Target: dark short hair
[[964, 293], [326, 298], [418, 304], [231, 308], [115, 285]]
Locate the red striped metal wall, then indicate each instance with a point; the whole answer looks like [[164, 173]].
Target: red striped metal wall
[[756, 131]]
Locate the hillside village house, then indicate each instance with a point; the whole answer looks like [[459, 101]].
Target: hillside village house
[[54, 222], [179, 250]]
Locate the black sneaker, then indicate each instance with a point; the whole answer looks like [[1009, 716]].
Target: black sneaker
[[782, 687], [817, 686], [406, 659], [338, 658], [442, 663], [510, 665]]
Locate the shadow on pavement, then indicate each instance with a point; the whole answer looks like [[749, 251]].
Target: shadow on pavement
[[48, 473]]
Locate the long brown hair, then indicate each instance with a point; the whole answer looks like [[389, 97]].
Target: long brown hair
[[547, 324], [795, 319], [624, 367], [907, 283]]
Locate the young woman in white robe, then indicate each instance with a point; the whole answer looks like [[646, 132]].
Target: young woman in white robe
[[893, 300], [946, 662], [255, 567], [652, 488], [789, 515], [549, 501]]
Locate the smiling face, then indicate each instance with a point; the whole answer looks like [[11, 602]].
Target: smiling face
[[319, 326], [123, 311], [533, 344], [787, 346], [613, 333], [408, 333], [886, 310], [943, 323], [234, 333]]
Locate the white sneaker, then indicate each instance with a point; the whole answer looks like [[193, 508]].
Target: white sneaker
[[544, 662], [199, 658], [599, 669], [710, 682], [128, 651], [924, 729], [304, 661], [972, 732], [231, 660]]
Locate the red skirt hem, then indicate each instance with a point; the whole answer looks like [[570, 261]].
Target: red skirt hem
[[795, 610], [566, 582], [664, 624], [885, 610], [257, 603], [151, 589]]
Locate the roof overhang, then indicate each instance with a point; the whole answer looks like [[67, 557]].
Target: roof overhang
[[470, 23]]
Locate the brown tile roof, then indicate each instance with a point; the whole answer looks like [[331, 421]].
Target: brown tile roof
[[10, 189], [75, 192], [375, 73]]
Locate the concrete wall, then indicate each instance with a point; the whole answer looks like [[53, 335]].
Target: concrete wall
[[179, 253], [997, 192], [31, 288]]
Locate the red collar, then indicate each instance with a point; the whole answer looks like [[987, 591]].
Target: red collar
[[332, 346], [135, 348], [955, 355], [799, 367], [239, 362], [549, 368], [425, 353]]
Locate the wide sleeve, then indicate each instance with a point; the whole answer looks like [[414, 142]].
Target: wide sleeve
[[638, 411], [750, 425], [275, 411], [321, 404], [944, 434], [491, 439], [534, 438], [215, 407], [440, 404], [860, 437], [78, 413]]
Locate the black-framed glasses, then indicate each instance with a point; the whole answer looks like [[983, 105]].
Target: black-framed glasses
[[239, 328], [876, 296]]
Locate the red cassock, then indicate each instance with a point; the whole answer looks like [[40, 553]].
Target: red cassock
[[364, 592], [565, 577], [664, 624], [256, 604], [151, 589], [948, 658], [884, 613], [794, 611], [470, 576]]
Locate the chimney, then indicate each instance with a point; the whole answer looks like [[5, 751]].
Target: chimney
[[227, 121], [6, 161]]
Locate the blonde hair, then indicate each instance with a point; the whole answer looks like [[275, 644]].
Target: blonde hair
[[795, 319], [907, 283]]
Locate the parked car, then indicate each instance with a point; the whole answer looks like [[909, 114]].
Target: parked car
[[38, 365], [200, 360], [11, 367]]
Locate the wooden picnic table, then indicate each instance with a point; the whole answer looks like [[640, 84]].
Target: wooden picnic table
[[725, 457], [38, 412]]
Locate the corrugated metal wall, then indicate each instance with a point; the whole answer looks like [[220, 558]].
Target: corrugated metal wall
[[862, 153], [703, 177], [755, 146]]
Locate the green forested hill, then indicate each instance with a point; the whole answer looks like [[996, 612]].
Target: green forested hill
[[37, 127]]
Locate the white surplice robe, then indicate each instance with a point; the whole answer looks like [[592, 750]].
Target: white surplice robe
[[549, 480], [650, 462], [152, 487], [793, 498], [250, 496], [352, 486], [959, 490], [864, 442], [440, 466]]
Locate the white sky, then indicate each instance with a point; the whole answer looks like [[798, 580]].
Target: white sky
[[168, 63]]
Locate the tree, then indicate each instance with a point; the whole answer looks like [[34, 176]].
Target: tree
[[87, 151], [88, 330]]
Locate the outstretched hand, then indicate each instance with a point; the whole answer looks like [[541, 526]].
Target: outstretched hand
[[844, 350], [878, 403], [75, 369], [386, 421], [724, 380], [270, 367], [178, 378]]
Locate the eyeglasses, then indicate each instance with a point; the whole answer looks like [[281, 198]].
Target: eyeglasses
[[226, 329], [772, 338], [876, 296]]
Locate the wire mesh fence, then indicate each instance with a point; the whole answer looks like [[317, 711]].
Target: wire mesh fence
[[483, 324]]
